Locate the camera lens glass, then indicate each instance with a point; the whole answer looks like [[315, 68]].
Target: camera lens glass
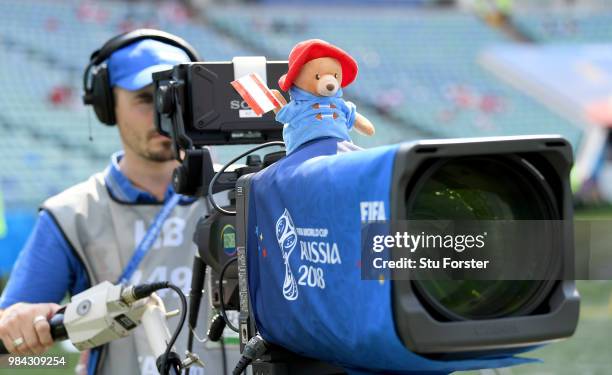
[[484, 189]]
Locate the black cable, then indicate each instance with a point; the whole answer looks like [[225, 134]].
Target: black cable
[[195, 298], [212, 182], [179, 327], [215, 334], [217, 325], [223, 314], [143, 290], [169, 361], [254, 349]]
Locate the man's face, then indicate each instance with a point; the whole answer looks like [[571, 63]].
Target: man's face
[[134, 111]]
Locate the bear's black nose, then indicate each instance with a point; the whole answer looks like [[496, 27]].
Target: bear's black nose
[[330, 86]]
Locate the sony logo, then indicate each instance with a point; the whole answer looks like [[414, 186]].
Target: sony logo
[[239, 104]]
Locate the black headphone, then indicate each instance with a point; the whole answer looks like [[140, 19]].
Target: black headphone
[[96, 85]]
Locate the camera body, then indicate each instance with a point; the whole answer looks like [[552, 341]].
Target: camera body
[[427, 325]]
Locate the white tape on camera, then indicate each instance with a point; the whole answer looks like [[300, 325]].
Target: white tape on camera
[[255, 92]]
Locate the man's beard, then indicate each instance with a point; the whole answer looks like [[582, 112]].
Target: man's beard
[[159, 156]]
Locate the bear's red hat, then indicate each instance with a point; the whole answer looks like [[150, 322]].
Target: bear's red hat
[[312, 49]]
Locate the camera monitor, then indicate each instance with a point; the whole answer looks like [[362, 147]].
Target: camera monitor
[[197, 106]]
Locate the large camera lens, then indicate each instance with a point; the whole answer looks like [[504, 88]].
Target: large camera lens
[[483, 189]]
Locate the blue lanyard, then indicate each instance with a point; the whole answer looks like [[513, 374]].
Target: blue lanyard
[[148, 239]]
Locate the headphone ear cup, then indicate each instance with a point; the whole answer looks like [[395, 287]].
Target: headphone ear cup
[[97, 90], [102, 93]]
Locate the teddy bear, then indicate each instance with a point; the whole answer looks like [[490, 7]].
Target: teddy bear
[[317, 73]]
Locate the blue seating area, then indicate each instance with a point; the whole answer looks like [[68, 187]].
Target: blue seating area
[[419, 77], [427, 58], [47, 43], [68, 31], [45, 146], [567, 26]]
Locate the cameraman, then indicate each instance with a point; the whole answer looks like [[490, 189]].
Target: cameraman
[[88, 233]]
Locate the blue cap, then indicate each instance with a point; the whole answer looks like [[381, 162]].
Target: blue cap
[[132, 66]]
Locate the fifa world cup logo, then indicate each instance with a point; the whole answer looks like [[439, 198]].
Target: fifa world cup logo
[[287, 239]]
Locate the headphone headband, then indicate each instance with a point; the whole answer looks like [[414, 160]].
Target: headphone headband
[[122, 40], [98, 92]]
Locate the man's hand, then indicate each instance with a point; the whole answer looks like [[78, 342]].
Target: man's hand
[[280, 98], [23, 322]]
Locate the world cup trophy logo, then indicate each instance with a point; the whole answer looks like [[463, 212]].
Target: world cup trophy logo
[[287, 239]]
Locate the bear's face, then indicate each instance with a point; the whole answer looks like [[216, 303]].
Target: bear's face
[[321, 76]]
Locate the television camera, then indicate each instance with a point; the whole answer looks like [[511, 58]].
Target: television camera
[[391, 324], [436, 319]]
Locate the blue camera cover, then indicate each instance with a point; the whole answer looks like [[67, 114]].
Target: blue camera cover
[[303, 249]]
